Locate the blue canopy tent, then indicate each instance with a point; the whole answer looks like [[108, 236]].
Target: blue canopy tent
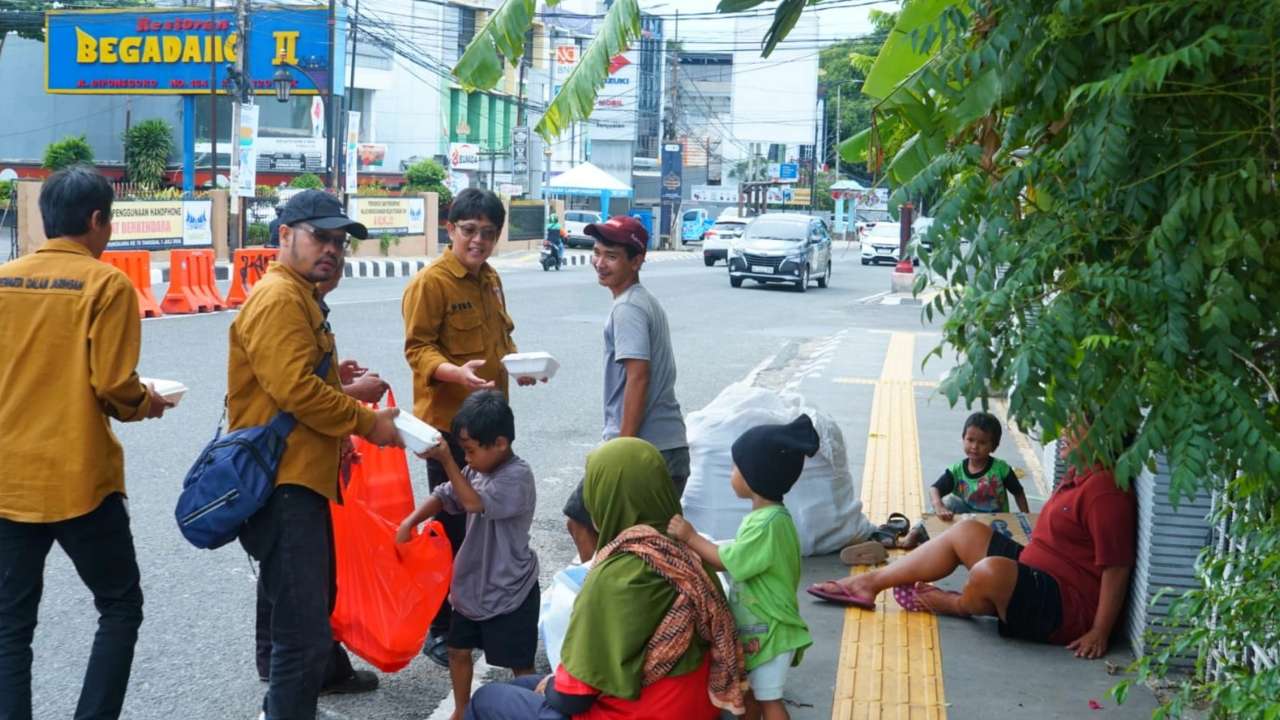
[[587, 179]]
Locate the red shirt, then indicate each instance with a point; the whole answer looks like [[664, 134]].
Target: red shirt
[[1087, 525], [683, 697]]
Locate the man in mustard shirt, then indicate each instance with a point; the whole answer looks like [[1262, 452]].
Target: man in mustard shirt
[[67, 365], [277, 342], [456, 331]]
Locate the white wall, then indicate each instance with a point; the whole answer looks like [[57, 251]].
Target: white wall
[[407, 106]]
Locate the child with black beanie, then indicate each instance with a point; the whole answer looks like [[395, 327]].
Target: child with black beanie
[[764, 559]]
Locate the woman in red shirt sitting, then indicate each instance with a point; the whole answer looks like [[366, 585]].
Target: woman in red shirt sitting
[[651, 636], [1066, 587]]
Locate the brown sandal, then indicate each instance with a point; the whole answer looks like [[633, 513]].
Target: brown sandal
[[870, 552]]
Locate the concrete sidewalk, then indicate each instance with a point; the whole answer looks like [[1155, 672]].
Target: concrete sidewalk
[[900, 434]]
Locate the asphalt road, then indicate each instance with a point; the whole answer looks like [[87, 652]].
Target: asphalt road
[[195, 653]]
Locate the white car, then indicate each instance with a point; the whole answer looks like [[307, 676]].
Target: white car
[[575, 221], [715, 244], [880, 242]]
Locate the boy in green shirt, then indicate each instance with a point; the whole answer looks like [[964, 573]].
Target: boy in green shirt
[[764, 559]]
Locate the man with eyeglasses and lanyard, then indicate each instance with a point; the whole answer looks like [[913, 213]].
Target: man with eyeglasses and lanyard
[[277, 342], [456, 331]]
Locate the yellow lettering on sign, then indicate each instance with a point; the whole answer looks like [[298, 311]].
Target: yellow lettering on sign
[[191, 49], [286, 47], [86, 47], [129, 49], [151, 49], [107, 49], [172, 48], [229, 50]]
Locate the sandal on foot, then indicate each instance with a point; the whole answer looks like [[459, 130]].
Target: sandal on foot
[[870, 552], [841, 597]]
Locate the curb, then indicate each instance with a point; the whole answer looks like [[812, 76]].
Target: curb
[[160, 273], [383, 267], [401, 267]]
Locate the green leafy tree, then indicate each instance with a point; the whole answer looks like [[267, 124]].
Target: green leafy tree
[[307, 181], [427, 176], [68, 151], [147, 147], [1108, 224], [259, 233], [842, 67], [25, 18]]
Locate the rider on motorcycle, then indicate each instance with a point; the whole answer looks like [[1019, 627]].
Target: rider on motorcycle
[[555, 237]]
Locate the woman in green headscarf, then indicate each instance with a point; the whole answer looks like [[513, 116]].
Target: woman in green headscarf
[[614, 662]]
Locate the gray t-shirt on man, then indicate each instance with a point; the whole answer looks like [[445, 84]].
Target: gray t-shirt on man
[[495, 568], [637, 330]]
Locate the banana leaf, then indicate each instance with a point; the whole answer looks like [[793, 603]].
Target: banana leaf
[[576, 100]]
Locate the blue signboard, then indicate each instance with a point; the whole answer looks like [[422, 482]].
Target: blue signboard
[[671, 186], [168, 51], [789, 171], [671, 168]]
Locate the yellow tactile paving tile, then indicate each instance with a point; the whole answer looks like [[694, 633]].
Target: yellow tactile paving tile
[[890, 664]]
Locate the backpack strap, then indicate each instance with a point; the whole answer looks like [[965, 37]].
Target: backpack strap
[[284, 423]]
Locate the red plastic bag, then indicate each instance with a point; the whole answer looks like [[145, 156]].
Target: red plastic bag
[[384, 476], [387, 593]]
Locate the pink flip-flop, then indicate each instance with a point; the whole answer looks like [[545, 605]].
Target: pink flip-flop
[[908, 598], [843, 597]]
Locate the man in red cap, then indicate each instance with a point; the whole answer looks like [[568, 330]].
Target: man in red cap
[[639, 365]]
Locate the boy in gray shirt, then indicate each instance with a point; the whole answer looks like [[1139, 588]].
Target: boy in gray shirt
[[494, 591], [639, 365]]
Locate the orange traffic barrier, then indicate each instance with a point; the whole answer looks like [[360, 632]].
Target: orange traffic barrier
[[137, 265], [247, 268], [207, 278], [185, 294]]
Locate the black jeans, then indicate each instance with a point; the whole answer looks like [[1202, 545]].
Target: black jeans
[[290, 539], [101, 548], [337, 668], [455, 526]]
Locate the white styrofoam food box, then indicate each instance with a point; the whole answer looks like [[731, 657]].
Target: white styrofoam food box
[[170, 390], [416, 435], [539, 365]]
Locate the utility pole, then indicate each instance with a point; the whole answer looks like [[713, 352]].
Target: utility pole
[[524, 63], [213, 108], [350, 96], [241, 89], [836, 136], [813, 158], [670, 133], [330, 109]]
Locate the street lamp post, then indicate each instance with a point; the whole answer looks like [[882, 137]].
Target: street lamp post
[[283, 82]]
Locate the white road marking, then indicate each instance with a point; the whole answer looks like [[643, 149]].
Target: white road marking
[[445, 709]]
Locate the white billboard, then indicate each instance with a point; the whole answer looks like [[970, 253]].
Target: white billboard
[[464, 156], [614, 117]]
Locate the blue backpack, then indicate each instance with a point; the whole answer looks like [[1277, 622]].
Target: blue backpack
[[233, 478]]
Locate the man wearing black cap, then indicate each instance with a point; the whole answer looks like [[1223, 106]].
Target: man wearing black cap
[[639, 365], [278, 342]]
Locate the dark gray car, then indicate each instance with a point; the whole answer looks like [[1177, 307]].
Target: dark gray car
[[782, 248]]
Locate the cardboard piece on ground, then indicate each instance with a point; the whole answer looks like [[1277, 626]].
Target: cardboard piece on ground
[[1019, 524]]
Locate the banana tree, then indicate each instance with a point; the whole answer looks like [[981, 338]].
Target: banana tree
[[501, 39], [924, 95]]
